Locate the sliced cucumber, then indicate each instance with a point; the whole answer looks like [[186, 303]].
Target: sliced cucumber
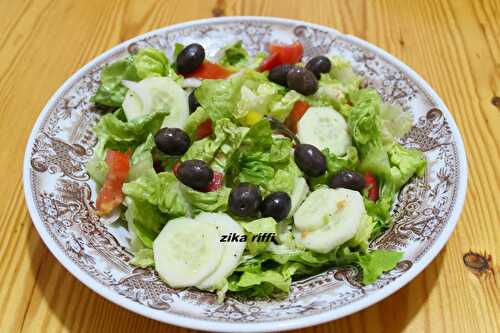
[[324, 127], [156, 94], [328, 218], [299, 194], [232, 253], [186, 252]]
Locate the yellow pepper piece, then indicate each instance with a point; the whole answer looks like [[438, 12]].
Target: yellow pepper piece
[[252, 118]]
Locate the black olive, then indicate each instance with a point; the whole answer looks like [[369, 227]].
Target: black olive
[[193, 102], [195, 174], [319, 65], [172, 141], [190, 58], [276, 205], [348, 179], [302, 80], [279, 74], [310, 160], [245, 200]]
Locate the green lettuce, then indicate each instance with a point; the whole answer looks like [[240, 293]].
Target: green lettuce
[[195, 119], [280, 109], [260, 226], [235, 56], [335, 164], [159, 190], [114, 133], [120, 135], [218, 97], [145, 222], [217, 149], [376, 262], [147, 62], [214, 201], [265, 160], [141, 161], [143, 258]]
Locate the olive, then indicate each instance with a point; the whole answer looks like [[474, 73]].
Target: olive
[[348, 179], [195, 174], [279, 74], [245, 200], [193, 102], [318, 65], [190, 58], [302, 80], [276, 205], [310, 160], [172, 141]]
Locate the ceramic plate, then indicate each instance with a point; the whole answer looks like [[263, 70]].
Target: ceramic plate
[[60, 196]]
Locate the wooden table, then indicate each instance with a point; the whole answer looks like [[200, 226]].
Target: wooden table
[[454, 45]]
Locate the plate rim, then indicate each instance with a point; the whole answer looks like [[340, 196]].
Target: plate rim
[[294, 323]]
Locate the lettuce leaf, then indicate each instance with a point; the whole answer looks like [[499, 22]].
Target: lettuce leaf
[[143, 258], [145, 222], [265, 160], [218, 149], [235, 56], [218, 97], [147, 62], [214, 201], [159, 190], [111, 92], [141, 161], [376, 262], [114, 133], [335, 164], [255, 227]]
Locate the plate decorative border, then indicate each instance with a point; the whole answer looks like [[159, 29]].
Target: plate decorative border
[[60, 196]]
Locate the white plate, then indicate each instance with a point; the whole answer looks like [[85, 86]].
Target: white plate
[[60, 197]]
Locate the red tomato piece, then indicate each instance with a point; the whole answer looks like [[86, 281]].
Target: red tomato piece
[[288, 54], [299, 109], [216, 183], [204, 129], [111, 196], [211, 71], [371, 186], [271, 61], [280, 54], [175, 167]]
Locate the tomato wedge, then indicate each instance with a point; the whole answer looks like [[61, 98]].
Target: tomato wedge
[[111, 196], [271, 61], [299, 109], [211, 71], [204, 129], [280, 54], [371, 186], [216, 183]]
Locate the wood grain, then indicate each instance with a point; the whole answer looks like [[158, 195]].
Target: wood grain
[[453, 44]]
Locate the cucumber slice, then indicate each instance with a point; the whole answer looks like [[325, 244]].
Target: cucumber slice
[[186, 252], [324, 127], [299, 194], [328, 218], [156, 94], [232, 251]]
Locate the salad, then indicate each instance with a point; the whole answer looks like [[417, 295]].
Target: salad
[[240, 174]]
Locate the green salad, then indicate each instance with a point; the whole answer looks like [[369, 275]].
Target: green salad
[[241, 174]]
